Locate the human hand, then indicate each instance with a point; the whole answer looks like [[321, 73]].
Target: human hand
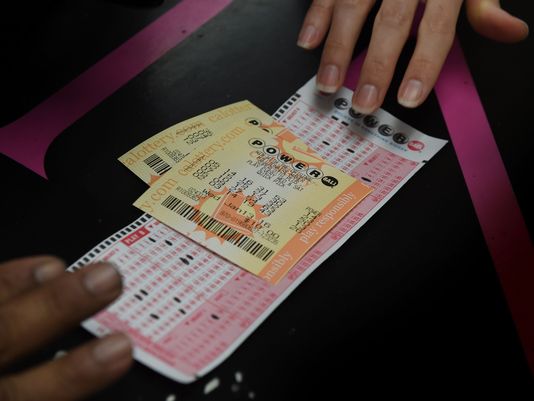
[[38, 301], [344, 19]]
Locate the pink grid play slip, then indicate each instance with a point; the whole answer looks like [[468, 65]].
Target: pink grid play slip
[[186, 308]]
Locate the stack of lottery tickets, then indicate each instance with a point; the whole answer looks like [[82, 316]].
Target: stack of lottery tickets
[[240, 208]]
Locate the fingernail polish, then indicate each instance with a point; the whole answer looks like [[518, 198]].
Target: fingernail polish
[[48, 271], [307, 36], [328, 79], [112, 348], [411, 94], [366, 99], [102, 279]]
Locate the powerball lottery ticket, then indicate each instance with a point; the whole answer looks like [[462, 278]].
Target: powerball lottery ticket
[[187, 309], [155, 156], [260, 200]]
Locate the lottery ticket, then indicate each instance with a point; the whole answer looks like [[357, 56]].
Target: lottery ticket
[[260, 200], [155, 156], [187, 309]]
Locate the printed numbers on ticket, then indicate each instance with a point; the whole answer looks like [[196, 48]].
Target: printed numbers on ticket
[[259, 199], [155, 156], [186, 308]]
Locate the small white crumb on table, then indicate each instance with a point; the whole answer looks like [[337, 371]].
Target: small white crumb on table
[[211, 385], [238, 377]]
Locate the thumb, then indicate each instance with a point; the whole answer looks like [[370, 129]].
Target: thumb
[[490, 20]]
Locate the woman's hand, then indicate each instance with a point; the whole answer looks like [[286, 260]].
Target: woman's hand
[[342, 20]]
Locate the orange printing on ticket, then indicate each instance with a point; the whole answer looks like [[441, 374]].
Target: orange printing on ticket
[[260, 198]]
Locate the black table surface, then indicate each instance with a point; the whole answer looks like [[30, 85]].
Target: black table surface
[[419, 313]]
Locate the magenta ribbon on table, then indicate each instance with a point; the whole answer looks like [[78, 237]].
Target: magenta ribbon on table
[[27, 140], [491, 192]]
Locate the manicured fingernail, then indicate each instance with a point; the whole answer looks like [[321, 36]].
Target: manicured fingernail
[[112, 348], [411, 95], [102, 279], [307, 36], [328, 79], [366, 99], [48, 271]]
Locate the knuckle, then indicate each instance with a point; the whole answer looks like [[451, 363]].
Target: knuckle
[[394, 14], [379, 66], [335, 45], [348, 5], [423, 66], [423, 63], [321, 6], [439, 23]]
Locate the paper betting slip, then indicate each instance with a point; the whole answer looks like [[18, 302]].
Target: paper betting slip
[[188, 309], [258, 199]]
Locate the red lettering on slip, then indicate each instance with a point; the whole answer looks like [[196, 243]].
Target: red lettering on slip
[[134, 237]]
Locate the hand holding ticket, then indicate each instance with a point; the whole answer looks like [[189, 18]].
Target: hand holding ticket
[[260, 199]]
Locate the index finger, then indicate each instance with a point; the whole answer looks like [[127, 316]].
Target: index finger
[[390, 31], [434, 40], [316, 23]]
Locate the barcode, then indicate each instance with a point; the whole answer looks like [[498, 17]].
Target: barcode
[[157, 164], [207, 222]]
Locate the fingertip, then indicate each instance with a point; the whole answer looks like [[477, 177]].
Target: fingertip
[[46, 259], [113, 352], [48, 269], [19, 275], [364, 111], [365, 99], [526, 29], [328, 78], [102, 279], [328, 90], [308, 37], [409, 105], [111, 266], [35, 261], [523, 30], [411, 93], [491, 21]]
